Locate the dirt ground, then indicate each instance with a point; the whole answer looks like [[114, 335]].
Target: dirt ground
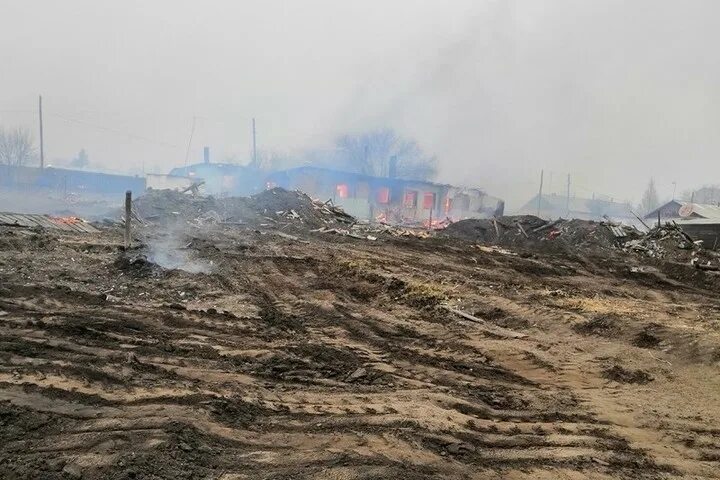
[[326, 357]]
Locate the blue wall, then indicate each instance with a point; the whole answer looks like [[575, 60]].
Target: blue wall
[[67, 180]]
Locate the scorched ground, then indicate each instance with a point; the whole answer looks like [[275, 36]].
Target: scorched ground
[[327, 357]]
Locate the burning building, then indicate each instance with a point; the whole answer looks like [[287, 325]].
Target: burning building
[[391, 199]]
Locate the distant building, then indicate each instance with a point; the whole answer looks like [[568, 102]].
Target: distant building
[[67, 181], [223, 179], [675, 209], [157, 181], [554, 206], [705, 229], [392, 199]]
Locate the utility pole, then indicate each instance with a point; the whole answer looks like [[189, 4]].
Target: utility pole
[[567, 201], [542, 174], [254, 147], [42, 145]]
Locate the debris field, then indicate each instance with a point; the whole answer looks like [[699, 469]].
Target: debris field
[[276, 337]]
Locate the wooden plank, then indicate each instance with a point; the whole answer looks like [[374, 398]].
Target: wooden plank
[[7, 219], [35, 220], [20, 220], [87, 228], [46, 223], [58, 224], [72, 226], [29, 220], [491, 329]]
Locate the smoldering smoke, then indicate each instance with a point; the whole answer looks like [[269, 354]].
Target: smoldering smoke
[[171, 251]]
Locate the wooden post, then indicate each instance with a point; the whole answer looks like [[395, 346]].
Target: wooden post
[[542, 174], [128, 216], [254, 160], [658, 218], [430, 224], [567, 200], [42, 142]]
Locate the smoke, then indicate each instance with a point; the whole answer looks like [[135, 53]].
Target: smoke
[[610, 92], [171, 250]]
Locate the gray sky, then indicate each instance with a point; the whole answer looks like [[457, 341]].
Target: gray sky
[[610, 91]]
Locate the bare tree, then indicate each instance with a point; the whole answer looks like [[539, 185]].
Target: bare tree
[[81, 161], [370, 153], [17, 147], [650, 198], [270, 160]]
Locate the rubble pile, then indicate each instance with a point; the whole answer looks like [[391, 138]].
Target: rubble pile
[[160, 206], [590, 234], [367, 231], [528, 230], [281, 205], [667, 242], [661, 241], [508, 230], [298, 211], [277, 206], [670, 242]]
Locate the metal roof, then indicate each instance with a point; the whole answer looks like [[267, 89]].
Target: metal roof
[[687, 210], [66, 224], [698, 209]]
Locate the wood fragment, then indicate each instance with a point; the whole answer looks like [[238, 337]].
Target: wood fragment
[[522, 229], [548, 225], [492, 329]]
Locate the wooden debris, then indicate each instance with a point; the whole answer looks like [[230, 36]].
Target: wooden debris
[[522, 230], [491, 329]]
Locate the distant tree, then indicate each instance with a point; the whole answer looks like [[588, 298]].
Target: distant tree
[[16, 147], [81, 161], [275, 160], [709, 194], [650, 198], [370, 153]]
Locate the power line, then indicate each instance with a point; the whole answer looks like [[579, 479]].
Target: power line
[[192, 131], [115, 131]]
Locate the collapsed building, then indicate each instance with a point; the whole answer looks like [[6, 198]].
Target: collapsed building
[[700, 221], [393, 200]]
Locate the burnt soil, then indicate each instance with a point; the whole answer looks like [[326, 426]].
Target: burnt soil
[[327, 357]]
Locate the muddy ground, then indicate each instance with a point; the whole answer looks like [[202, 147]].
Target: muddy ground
[[327, 357]]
